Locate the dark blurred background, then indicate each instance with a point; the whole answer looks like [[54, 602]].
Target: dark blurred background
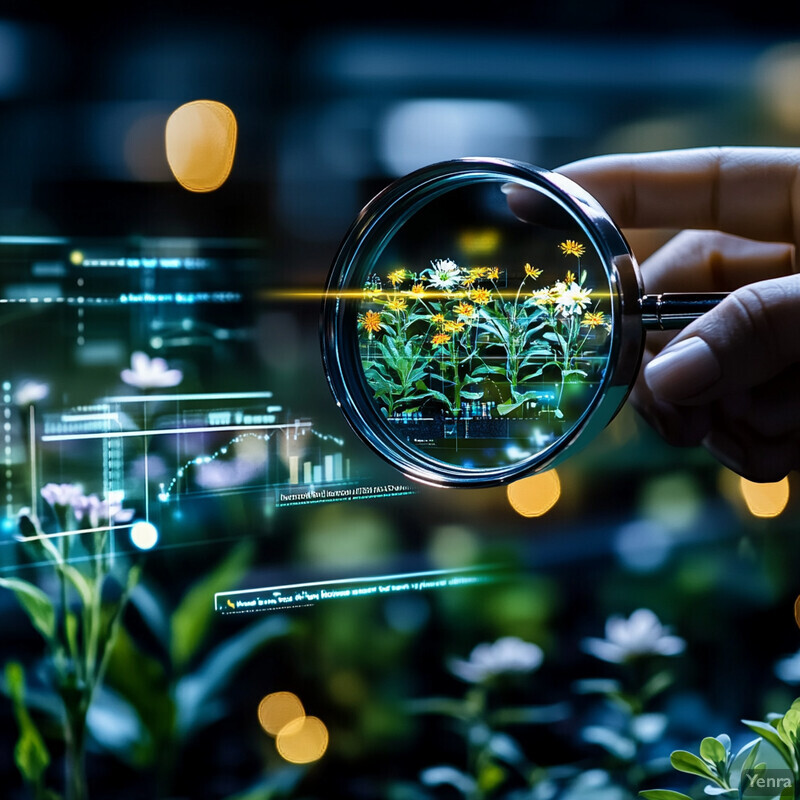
[[332, 103]]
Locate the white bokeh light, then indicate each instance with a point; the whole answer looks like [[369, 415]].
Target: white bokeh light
[[144, 535]]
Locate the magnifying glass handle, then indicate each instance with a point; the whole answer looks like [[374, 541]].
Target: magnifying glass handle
[[674, 310]]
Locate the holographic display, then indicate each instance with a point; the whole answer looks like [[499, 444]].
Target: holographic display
[[139, 387]]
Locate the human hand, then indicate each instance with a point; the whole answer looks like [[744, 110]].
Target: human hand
[[731, 379]]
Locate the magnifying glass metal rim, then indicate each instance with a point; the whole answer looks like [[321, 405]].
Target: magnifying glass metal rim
[[377, 223]]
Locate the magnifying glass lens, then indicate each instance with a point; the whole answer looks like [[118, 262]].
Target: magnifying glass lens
[[474, 343]]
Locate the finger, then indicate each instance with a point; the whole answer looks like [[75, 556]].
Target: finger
[[752, 192], [680, 426], [749, 338], [772, 409], [709, 261], [753, 456]]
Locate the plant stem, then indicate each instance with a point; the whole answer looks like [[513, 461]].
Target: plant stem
[[76, 786]]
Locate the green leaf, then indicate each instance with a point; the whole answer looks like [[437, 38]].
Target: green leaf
[[485, 369], [35, 538], [713, 751], [195, 692], [725, 740], [192, 619], [490, 776], [71, 629], [36, 603], [751, 756], [30, 753], [507, 408], [787, 727], [684, 761], [663, 794], [769, 733], [141, 680], [657, 684], [79, 581], [15, 682]]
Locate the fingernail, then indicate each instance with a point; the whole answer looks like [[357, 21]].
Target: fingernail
[[509, 188], [683, 370]]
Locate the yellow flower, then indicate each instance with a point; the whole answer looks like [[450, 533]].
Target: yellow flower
[[418, 289], [543, 297], [370, 322], [454, 327], [464, 310], [493, 273], [532, 272], [481, 296], [371, 292], [569, 277], [397, 304], [397, 277], [438, 319], [593, 318], [440, 339], [572, 248], [477, 272]]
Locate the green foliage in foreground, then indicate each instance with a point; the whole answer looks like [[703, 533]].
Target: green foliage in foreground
[[745, 773]]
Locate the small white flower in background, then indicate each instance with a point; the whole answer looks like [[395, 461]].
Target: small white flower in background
[[31, 392], [787, 669], [641, 634], [509, 655], [61, 494], [150, 373]]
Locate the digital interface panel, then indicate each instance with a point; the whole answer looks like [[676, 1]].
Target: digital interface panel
[[142, 382]]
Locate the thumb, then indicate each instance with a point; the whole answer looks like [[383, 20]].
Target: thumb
[[751, 336]]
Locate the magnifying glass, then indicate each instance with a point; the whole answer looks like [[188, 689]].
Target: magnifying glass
[[470, 348]]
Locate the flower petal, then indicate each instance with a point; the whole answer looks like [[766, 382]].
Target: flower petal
[[604, 650]]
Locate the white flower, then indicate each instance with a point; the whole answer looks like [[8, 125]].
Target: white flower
[[31, 392], [788, 669], [642, 634], [509, 655], [571, 299], [147, 373], [444, 274]]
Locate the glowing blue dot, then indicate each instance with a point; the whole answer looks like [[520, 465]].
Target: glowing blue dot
[[144, 535]]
